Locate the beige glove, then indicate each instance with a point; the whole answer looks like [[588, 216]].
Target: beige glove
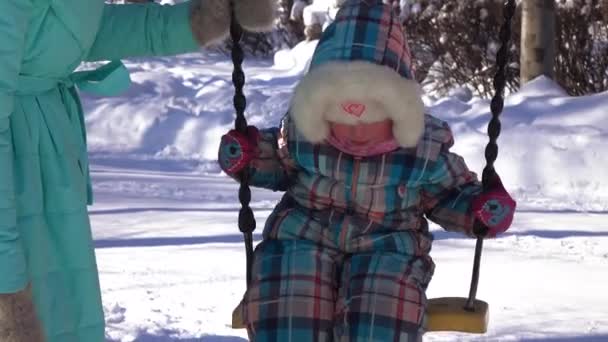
[[18, 321], [210, 19], [256, 15]]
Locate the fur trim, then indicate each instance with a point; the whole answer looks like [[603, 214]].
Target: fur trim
[[210, 20], [255, 15], [386, 94], [18, 321]]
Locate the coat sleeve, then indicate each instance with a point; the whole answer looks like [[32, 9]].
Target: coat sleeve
[[14, 17], [450, 189], [273, 169], [137, 30]]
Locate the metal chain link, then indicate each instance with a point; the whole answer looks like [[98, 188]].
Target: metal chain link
[[246, 219], [491, 151]]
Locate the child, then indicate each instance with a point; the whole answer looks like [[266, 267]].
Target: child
[[345, 254]]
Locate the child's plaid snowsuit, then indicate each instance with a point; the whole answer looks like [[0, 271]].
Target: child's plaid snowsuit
[[345, 254]]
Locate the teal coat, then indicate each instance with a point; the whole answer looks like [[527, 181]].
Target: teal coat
[[45, 235]]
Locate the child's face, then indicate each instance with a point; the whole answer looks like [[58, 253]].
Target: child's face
[[363, 134]]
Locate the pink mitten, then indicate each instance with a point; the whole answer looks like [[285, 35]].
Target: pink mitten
[[494, 208], [237, 150]]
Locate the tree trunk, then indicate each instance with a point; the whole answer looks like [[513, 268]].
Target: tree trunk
[[538, 39]]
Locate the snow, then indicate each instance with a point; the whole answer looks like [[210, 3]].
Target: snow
[[550, 144], [171, 258]]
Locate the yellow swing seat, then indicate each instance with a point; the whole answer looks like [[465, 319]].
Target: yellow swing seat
[[443, 314], [449, 314]]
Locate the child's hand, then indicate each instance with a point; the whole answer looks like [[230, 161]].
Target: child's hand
[[237, 150], [494, 208]]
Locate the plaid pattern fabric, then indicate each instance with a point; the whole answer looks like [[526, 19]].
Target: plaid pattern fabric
[[293, 292], [361, 204], [294, 295], [382, 298], [367, 31], [346, 251]]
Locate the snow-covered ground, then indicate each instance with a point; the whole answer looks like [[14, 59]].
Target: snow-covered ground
[[170, 254]]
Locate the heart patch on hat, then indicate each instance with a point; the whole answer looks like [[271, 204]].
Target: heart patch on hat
[[353, 108]]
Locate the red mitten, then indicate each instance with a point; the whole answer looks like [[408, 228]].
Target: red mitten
[[494, 208], [237, 150]]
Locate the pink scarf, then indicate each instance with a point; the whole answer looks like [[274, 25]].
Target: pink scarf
[[363, 150]]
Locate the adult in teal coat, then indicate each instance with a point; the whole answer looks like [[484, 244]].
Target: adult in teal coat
[[45, 235]]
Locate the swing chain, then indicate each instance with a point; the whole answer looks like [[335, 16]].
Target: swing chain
[[491, 151], [246, 219], [497, 104]]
